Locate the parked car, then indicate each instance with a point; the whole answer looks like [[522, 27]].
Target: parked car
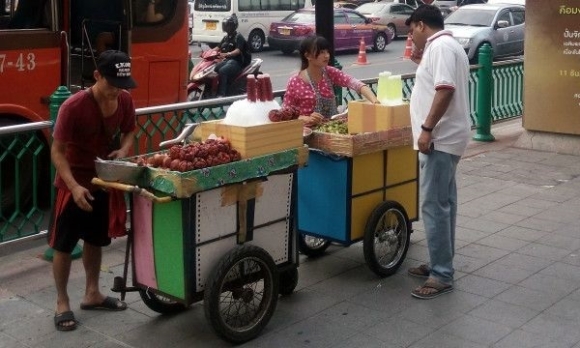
[[349, 28], [388, 13], [513, 2], [500, 25]]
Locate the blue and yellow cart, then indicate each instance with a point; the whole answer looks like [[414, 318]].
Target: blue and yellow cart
[[360, 188]]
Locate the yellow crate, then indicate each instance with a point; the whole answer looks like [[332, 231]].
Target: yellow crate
[[259, 140], [364, 116]]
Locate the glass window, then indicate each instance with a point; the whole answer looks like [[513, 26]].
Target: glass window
[[518, 17], [339, 18], [355, 18], [25, 14], [153, 12], [504, 16]]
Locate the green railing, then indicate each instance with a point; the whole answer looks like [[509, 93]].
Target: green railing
[[24, 160], [24, 155]]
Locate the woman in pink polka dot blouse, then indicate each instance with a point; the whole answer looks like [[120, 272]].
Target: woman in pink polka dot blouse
[[311, 89]]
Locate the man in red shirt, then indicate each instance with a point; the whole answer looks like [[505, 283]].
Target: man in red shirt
[[96, 122]]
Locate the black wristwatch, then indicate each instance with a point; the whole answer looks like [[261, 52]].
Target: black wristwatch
[[426, 129]]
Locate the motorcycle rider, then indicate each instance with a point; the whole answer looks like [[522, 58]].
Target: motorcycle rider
[[234, 51]]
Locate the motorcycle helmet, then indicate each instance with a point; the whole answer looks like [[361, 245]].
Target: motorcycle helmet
[[230, 24]]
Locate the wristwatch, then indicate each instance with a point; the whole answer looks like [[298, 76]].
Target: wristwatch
[[426, 129]]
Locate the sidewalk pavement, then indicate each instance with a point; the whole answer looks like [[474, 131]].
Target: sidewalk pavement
[[517, 278]]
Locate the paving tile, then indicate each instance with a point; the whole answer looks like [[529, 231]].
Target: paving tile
[[485, 226], [561, 241], [501, 217], [468, 264], [501, 242], [477, 330], [9, 342], [520, 209], [441, 339], [564, 271], [351, 315], [526, 262], [557, 328], [324, 267], [481, 286], [538, 224], [398, 332], [469, 235], [503, 273], [537, 203], [529, 298], [544, 251], [525, 339], [482, 252], [522, 233], [305, 303], [567, 308], [504, 313], [348, 284], [572, 259], [551, 284]]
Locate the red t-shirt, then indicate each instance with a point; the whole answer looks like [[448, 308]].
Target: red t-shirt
[[87, 134]]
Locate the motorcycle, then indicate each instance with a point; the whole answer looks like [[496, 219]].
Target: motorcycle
[[204, 79]]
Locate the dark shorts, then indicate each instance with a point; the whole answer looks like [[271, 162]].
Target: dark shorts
[[70, 223]]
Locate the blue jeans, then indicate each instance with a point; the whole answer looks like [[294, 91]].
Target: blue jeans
[[439, 211], [227, 71]]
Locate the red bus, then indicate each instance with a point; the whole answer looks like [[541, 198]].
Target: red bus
[[49, 43]]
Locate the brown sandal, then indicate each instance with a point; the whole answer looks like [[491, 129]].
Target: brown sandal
[[431, 289], [422, 271]]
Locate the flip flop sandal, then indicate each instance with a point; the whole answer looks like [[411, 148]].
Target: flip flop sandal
[[422, 271], [434, 289], [109, 303], [64, 317]]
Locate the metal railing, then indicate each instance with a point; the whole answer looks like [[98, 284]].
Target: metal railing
[[23, 155]]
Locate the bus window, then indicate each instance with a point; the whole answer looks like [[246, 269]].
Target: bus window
[[213, 5], [24, 14], [153, 12]]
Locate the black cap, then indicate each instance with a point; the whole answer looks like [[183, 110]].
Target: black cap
[[115, 67]]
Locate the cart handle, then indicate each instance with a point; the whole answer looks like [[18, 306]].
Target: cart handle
[[185, 133], [131, 188]]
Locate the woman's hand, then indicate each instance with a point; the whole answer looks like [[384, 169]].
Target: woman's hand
[[312, 120]]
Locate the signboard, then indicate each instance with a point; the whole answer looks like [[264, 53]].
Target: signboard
[[552, 66]]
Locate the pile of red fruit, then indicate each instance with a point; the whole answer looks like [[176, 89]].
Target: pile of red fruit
[[184, 158], [284, 114]]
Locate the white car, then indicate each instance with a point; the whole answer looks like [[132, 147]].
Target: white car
[[502, 26]]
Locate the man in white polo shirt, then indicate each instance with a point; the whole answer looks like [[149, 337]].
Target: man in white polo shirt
[[441, 131]]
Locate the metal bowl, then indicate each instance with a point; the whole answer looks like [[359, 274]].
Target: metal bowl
[[120, 171]]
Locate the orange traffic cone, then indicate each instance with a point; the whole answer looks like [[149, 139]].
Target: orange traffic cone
[[408, 47], [362, 53]]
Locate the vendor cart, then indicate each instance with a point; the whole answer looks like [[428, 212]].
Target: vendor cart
[[361, 187], [224, 235]]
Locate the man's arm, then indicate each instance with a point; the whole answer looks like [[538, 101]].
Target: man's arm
[[80, 194], [438, 108]]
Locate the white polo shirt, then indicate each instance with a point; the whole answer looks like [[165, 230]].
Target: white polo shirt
[[444, 65]]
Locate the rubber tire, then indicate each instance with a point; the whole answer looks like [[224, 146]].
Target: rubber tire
[[256, 40], [307, 249], [159, 304], [195, 95], [214, 287], [394, 30], [403, 240], [288, 281], [380, 42]]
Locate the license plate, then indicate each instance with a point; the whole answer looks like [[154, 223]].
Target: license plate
[[210, 25], [283, 31]]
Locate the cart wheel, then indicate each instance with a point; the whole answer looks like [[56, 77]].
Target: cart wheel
[[312, 246], [288, 281], [386, 238], [241, 293], [161, 304]]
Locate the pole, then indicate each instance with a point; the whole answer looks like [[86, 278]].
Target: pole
[[484, 91]]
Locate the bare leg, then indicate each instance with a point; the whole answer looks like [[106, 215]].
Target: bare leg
[[61, 264], [92, 256]]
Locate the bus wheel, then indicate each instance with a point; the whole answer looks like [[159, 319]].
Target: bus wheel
[[256, 40]]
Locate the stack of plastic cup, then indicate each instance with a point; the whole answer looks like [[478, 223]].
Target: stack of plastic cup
[[394, 95], [382, 88]]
